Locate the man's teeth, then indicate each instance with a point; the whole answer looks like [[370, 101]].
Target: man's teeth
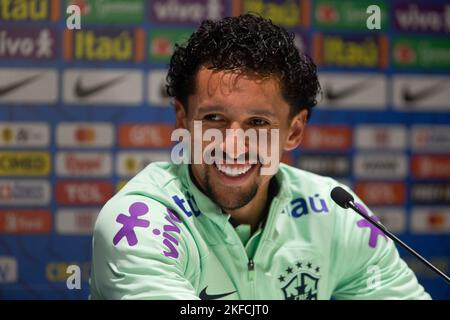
[[233, 171]]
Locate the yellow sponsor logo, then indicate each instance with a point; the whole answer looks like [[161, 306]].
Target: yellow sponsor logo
[[340, 52], [286, 13], [104, 45], [7, 135], [24, 163], [57, 271], [29, 10]]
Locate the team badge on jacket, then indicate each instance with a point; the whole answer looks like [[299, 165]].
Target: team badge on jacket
[[300, 281]]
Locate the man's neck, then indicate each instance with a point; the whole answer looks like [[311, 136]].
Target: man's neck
[[257, 209]]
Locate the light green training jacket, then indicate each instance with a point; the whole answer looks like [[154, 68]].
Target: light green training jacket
[[160, 237]]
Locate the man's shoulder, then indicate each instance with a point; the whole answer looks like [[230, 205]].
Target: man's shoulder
[[310, 198], [157, 174], [305, 182], [149, 192]]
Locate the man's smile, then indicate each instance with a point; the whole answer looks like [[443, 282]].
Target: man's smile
[[235, 174]]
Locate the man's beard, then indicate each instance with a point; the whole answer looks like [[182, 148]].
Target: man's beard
[[240, 200]]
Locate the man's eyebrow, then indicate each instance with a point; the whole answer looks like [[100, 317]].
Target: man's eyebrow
[[261, 112], [252, 112], [207, 109]]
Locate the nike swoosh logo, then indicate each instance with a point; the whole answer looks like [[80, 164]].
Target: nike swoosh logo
[[333, 94], [205, 296], [85, 91], [18, 84], [410, 96]]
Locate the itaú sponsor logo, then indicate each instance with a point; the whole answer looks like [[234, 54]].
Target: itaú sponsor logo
[[25, 221], [327, 138], [286, 13], [56, 271], [76, 221], [393, 218], [83, 192], [431, 220], [430, 166], [29, 10], [334, 165], [79, 134], [24, 134], [381, 193], [8, 269], [145, 135], [380, 166], [431, 138], [24, 192], [387, 137], [130, 163], [84, 164]]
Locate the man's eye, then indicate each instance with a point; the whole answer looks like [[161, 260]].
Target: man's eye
[[259, 122], [213, 117]]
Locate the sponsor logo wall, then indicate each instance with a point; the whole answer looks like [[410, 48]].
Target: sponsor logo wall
[[82, 111]]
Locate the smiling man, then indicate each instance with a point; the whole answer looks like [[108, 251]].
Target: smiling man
[[225, 230]]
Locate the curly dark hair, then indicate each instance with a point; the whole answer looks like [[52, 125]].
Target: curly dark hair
[[247, 43]]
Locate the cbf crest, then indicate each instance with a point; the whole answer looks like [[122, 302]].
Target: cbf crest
[[300, 281]]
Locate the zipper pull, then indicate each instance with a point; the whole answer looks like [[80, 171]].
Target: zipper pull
[[251, 265]]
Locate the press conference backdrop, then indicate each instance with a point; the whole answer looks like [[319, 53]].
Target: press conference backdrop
[[82, 111]]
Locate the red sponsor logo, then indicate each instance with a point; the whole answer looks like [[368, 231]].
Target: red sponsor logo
[[431, 166], [76, 164], [327, 13], [84, 135], [145, 135], [85, 7], [161, 46], [405, 54], [436, 220], [327, 138], [83, 192], [25, 221], [381, 193]]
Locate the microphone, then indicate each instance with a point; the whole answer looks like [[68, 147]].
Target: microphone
[[346, 200]]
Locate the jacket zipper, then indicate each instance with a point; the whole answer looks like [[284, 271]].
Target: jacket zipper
[[267, 229]]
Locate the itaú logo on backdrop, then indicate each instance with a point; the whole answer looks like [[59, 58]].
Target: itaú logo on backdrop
[[235, 147]]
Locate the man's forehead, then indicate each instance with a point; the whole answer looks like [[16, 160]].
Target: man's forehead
[[235, 80]]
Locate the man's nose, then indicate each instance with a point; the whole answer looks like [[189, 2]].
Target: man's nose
[[234, 144]]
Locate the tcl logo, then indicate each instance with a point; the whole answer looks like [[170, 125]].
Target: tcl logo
[[83, 192], [381, 193]]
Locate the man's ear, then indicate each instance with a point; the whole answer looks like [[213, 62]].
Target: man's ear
[[180, 115], [296, 130]]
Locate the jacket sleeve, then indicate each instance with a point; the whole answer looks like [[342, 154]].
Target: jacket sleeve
[[140, 251], [368, 265]]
